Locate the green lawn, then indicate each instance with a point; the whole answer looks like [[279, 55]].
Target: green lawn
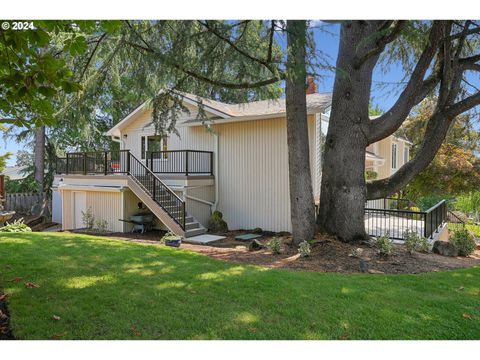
[[106, 289]]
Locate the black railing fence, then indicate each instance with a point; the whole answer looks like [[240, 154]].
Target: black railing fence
[[158, 191], [380, 221], [390, 204], [185, 162], [123, 162], [94, 162]]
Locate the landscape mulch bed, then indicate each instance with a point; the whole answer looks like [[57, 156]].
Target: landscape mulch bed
[[328, 255], [5, 330]]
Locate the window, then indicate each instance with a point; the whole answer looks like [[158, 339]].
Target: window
[[153, 143], [394, 156], [405, 155]]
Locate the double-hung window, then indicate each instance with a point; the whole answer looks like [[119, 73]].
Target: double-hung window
[[153, 143]]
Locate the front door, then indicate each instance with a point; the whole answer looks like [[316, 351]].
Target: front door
[[79, 205]]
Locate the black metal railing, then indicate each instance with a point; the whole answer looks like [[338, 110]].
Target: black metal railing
[[454, 222], [123, 162], [380, 221], [157, 190], [390, 203], [185, 162], [435, 217], [94, 162]]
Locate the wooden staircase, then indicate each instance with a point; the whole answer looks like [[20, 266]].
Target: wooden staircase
[[161, 200]]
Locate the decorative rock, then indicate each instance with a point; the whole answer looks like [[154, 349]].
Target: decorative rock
[[445, 248], [373, 271], [255, 245]]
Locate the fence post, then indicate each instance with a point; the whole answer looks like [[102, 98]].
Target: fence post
[[151, 161], [128, 161], [105, 163], [66, 165], [84, 163], [186, 162]]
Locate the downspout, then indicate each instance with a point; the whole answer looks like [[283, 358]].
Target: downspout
[[215, 157], [119, 140]]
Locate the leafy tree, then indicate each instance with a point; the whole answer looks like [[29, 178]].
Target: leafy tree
[[4, 157], [469, 203], [436, 56], [455, 168]]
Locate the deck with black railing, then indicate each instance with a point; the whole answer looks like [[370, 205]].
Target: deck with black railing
[[393, 216], [173, 162]]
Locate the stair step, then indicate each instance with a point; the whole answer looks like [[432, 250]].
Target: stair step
[[192, 225], [195, 232]]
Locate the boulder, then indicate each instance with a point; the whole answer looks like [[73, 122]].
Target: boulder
[[445, 248], [216, 224], [255, 245]]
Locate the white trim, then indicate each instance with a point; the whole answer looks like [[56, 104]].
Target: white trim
[[83, 188], [126, 119], [239, 119]]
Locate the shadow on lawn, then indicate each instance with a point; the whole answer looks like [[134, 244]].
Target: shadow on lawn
[[116, 290]]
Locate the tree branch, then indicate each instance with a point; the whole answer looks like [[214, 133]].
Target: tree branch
[[417, 88], [435, 133], [382, 42], [234, 46], [463, 105], [92, 54]]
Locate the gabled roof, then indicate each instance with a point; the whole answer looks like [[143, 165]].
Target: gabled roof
[[316, 103]]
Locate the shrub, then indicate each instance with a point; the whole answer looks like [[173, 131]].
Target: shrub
[[101, 225], [88, 218], [168, 236], [464, 241], [216, 223], [304, 249], [384, 245], [16, 227], [274, 245], [415, 242]]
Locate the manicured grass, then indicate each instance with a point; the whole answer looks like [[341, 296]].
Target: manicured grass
[[106, 289]]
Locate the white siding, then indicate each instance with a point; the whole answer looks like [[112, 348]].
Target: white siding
[[105, 205], [253, 168]]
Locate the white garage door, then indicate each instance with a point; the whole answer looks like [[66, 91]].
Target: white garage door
[[79, 205]]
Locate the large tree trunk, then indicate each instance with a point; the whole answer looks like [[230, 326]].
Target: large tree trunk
[[40, 157], [343, 193], [300, 180]]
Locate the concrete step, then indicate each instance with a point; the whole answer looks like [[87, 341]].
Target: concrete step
[[195, 232], [192, 225]]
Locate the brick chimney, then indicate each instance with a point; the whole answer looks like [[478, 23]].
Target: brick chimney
[[312, 88]]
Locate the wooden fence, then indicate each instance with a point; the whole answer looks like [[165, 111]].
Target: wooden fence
[[22, 202]]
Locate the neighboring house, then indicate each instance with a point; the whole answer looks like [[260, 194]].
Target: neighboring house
[[14, 172], [235, 162]]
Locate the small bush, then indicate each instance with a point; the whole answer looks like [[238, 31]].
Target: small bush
[[304, 249], [415, 242], [88, 218], [216, 223], [384, 245], [464, 241], [168, 236], [16, 227], [101, 225], [274, 245]]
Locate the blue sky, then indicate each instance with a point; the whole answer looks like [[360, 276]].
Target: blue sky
[[327, 40]]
